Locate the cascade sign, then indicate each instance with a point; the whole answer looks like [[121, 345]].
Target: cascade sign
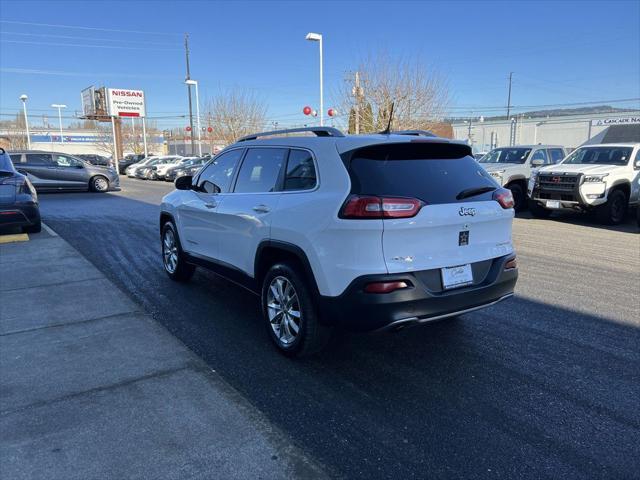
[[605, 122], [125, 103]]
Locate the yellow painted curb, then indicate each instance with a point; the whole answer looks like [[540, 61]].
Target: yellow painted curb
[[18, 237]]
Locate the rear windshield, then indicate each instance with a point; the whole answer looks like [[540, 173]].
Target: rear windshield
[[434, 173]]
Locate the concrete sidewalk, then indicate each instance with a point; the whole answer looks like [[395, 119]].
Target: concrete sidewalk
[[92, 388]]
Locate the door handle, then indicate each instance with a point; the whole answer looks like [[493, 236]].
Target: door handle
[[261, 209], [211, 205]]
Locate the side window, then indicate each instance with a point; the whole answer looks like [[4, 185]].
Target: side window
[[216, 178], [260, 170], [557, 154], [16, 158], [540, 155], [66, 161], [301, 172], [43, 159]]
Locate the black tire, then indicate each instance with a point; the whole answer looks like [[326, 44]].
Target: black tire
[[519, 197], [311, 336], [181, 271], [99, 184], [35, 228], [614, 210], [538, 211]]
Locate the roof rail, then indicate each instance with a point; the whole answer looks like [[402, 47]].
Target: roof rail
[[417, 133], [319, 131]]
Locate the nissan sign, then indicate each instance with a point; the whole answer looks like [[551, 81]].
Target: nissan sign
[[125, 103]]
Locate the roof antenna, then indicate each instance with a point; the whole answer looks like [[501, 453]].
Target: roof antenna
[[387, 130]]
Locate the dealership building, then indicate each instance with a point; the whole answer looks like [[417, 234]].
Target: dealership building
[[567, 130]]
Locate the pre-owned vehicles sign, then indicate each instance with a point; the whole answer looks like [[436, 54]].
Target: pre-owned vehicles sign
[[126, 103]]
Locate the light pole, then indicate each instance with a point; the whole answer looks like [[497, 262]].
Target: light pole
[[23, 97], [195, 82], [317, 37], [59, 107]]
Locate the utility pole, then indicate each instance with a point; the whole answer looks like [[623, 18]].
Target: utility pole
[[356, 93], [509, 97], [186, 51]]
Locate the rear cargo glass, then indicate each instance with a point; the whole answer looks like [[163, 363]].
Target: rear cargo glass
[[434, 173]]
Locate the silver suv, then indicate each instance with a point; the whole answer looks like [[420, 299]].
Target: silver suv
[[511, 167]]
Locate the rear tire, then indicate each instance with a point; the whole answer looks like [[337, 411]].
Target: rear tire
[[537, 211], [173, 258], [614, 210], [519, 197], [99, 184], [35, 228], [290, 313]]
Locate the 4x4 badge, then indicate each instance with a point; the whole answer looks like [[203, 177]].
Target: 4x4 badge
[[467, 212]]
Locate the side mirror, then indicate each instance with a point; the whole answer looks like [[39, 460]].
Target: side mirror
[[184, 182], [538, 162]]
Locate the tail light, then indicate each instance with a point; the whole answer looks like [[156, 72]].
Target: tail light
[[504, 197], [385, 287], [363, 207]]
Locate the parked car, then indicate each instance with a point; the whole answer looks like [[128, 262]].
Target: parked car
[[365, 232], [149, 170], [132, 159], [18, 199], [95, 159], [593, 178], [131, 170], [189, 167], [479, 155], [53, 171], [511, 166], [161, 170]]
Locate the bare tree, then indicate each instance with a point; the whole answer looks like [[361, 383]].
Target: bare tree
[[235, 113], [419, 95], [16, 132]]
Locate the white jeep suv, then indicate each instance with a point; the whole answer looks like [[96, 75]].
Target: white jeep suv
[[364, 232], [599, 178], [512, 166]]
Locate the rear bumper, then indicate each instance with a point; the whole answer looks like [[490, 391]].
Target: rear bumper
[[360, 311], [19, 215]]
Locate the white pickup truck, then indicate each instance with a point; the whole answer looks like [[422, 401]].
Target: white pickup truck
[[593, 178], [511, 167]]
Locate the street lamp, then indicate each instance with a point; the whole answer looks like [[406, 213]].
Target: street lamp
[[59, 107], [195, 82], [24, 98], [317, 37]]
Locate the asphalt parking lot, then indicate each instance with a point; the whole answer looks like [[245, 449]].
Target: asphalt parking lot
[[544, 385]]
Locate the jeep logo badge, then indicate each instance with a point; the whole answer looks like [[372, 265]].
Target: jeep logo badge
[[471, 212]]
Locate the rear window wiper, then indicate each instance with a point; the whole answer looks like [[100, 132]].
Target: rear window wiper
[[472, 192]]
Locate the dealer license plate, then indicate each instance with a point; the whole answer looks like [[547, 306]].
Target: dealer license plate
[[459, 276]]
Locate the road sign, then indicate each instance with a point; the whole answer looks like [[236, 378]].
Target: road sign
[[125, 103]]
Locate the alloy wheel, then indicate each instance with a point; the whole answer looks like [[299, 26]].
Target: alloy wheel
[[283, 308], [100, 184], [169, 251]]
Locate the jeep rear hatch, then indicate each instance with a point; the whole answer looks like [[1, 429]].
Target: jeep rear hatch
[[439, 207]]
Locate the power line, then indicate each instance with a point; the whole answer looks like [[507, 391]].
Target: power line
[[75, 37], [120, 47], [86, 28]]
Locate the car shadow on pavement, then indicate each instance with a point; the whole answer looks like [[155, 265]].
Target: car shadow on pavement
[[629, 225], [522, 389]]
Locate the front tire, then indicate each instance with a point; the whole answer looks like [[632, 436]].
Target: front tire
[[614, 210], [173, 258], [519, 197], [99, 184], [537, 211], [290, 312]]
